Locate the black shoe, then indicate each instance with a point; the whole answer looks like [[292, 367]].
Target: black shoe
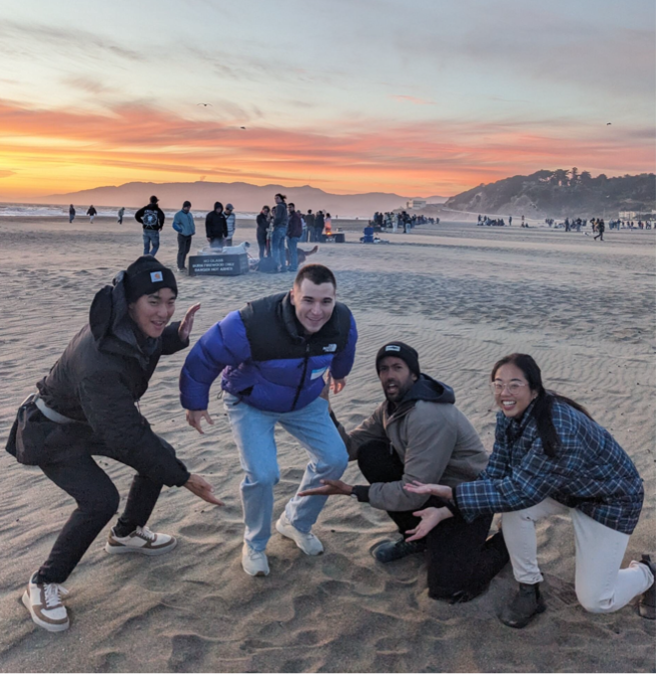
[[524, 607], [647, 601], [395, 550]]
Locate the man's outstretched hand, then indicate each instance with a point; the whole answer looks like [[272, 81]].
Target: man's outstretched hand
[[197, 485], [194, 419], [327, 488], [186, 324]]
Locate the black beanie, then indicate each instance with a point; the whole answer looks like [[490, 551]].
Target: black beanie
[[147, 275], [397, 349]]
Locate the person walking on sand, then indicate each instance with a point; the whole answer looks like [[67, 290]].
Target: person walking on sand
[[72, 213], [418, 434], [91, 213], [273, 355], [120, 215], [216, 226], [152, 219], [550, 457], [231, 223], [87, 405], [280, 223], [308, 234], [184, 225], [600, 227]]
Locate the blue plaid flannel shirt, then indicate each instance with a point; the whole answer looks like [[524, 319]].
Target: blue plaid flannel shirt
[[590, 472]]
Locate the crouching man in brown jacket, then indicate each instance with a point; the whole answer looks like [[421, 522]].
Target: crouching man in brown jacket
[[418, 434]]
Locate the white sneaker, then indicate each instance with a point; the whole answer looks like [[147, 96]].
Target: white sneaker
[[255, 563], [44, 604], [305, 541], [141, 540]]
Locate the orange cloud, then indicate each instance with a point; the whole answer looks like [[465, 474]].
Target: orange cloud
[[48, 151]]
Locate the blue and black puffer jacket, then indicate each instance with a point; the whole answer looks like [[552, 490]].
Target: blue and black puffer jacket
[[265, 358]]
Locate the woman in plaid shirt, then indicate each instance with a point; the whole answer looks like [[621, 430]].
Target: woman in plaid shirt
[[551, 457]]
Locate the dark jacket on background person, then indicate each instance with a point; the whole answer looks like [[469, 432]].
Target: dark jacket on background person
[[96, 383], [280, 216], [160, 216], [216, 224], [265, 359], [262, 224], [319, 221], [294, 227], [434, 440], [309, 221]]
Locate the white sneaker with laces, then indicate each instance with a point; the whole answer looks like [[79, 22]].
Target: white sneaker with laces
[[305, 541], [255, 563], [141, 540], [44, 603]]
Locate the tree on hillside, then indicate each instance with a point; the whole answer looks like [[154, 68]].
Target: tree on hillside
[[585, 176]]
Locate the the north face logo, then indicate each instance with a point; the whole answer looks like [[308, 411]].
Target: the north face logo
[[330, 348]]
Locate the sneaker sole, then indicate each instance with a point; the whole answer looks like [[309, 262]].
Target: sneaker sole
[[281, 530], [53, 628], [118, 550]]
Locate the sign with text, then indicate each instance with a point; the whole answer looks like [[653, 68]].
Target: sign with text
[[218, 264]]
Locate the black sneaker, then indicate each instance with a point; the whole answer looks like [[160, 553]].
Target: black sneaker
[[395, 550], [647, 601], [524, 607]]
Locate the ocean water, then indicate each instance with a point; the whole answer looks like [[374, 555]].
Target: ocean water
[[33, 210]]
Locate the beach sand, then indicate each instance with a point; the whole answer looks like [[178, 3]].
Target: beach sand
[[464, 296]]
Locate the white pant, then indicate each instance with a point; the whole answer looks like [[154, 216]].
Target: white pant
[[599, 583]]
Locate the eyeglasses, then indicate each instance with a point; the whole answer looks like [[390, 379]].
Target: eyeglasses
[[512, 387]]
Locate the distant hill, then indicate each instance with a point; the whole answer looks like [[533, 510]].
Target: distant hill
[[559, 194], [245, 197]]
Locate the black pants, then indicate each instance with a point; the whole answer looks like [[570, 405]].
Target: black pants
[[262, 239], [97, 500], [459, 557], [184, 242]]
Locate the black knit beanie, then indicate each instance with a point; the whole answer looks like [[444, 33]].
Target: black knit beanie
[[147, 275], [397, 349]]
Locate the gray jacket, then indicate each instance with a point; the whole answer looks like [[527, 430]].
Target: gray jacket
[[433, 438]]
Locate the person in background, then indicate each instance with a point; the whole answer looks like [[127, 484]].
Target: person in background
[[152, 219], [550, 457], [318, 226], [216, 226], [327, 224], [72, 213], [231, 224], [263, 219], [293, 235], [280, 222], [91, 213], [88, 405], [308, 234], [184, 225], [120, 215]]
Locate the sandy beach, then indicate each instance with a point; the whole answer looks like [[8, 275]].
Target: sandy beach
[[463, 296]]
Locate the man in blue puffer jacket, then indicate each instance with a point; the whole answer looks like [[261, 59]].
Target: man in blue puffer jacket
[[273, 355]]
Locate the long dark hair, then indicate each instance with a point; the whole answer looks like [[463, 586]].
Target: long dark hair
[[542, 405]]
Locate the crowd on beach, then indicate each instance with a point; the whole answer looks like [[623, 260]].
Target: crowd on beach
[[391, 221], [279, 230], [280, 359]]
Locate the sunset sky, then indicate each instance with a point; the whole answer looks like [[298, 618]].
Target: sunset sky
[[426, 97]]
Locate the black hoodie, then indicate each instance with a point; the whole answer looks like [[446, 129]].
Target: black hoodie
[[216, 224], [102, 374]]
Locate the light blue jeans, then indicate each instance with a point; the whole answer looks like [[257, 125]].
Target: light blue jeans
[[278, 247], [254, 433], [152, 238]]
